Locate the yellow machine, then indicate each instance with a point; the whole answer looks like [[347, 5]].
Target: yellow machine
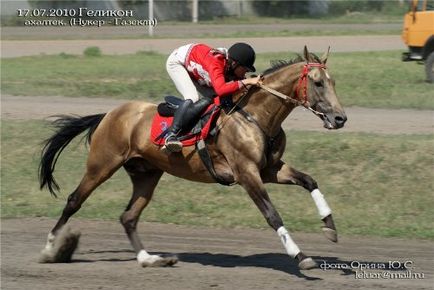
[[418, 34]]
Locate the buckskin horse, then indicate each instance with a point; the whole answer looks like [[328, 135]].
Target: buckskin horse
[[247, 151]]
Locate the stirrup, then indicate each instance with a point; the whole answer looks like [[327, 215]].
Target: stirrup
[[172, 144]]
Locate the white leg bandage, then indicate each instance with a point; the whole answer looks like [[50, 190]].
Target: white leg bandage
[[145, 257], [323, 208], [291, 248]]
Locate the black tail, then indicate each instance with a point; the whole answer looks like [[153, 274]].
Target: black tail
[[67, 127]]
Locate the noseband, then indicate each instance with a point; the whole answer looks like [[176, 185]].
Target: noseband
[[301, 85]]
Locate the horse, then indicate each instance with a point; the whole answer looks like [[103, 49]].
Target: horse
[[247, 151]]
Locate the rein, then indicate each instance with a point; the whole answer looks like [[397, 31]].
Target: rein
[[302, 84]]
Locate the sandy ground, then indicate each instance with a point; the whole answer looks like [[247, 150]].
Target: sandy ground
[[208, 259], [380, 121]]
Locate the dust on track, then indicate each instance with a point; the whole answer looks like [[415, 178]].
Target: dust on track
[[209, 259]]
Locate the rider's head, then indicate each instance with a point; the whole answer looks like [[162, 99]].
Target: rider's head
[[243, 57]]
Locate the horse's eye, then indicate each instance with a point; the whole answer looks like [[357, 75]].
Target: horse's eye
[[319, 84]]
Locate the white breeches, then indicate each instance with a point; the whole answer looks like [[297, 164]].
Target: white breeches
[[180, 77]]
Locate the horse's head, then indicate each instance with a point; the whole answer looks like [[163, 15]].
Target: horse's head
[[316, 88], [301, 81]]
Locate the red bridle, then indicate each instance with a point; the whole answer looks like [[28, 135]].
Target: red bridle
[[302, 82]]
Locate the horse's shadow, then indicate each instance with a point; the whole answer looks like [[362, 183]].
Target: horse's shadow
[[278, 262], [274, 261]]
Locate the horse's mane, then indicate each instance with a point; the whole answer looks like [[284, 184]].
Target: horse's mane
[[278, 64]]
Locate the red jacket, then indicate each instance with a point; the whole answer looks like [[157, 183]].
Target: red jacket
[[208, 69]]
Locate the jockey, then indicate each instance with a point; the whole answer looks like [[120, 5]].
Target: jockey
[[199, 70]]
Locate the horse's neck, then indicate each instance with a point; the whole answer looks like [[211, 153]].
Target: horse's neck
[[268, 110]]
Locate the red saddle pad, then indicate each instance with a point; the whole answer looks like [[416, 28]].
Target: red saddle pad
[[160, 124]]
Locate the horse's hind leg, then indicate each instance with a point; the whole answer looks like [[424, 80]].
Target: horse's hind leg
[[144, 184], [281, 173], [61, 241]]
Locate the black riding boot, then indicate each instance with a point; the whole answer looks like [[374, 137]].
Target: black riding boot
[[185, 116], [195, 110], [171, 142]]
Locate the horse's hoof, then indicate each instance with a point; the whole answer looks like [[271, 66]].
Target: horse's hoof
[[330, 234], [307, 264], [63, 247], [157, 261]]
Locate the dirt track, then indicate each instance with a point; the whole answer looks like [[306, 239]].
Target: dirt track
[[359, 119], [25, 41], [16, 48], [209, 259]]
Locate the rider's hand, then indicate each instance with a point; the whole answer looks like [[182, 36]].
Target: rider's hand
[[253, 81]]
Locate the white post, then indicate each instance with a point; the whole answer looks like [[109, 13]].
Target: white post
[[151, 17], [195, 12]]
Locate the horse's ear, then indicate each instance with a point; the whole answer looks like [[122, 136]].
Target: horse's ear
[[325, 56], [306, 53]]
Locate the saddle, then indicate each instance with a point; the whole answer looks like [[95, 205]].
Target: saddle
[[195, 132], [196, 135]]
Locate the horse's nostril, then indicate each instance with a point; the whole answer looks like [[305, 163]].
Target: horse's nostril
[[340, 120]]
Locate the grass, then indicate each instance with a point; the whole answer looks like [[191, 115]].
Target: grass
[[351, 18], [368, 79], [131, 76], [365, 17], [188, 34], [341, 31], [226, 27], [377, 185]]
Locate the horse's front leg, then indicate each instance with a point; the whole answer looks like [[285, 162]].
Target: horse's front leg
[[281, 173], [252, 183]]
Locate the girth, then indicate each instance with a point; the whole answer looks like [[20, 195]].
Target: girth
[[206, 157]]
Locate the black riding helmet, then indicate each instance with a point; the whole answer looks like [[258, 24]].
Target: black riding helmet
[[243, 54]]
